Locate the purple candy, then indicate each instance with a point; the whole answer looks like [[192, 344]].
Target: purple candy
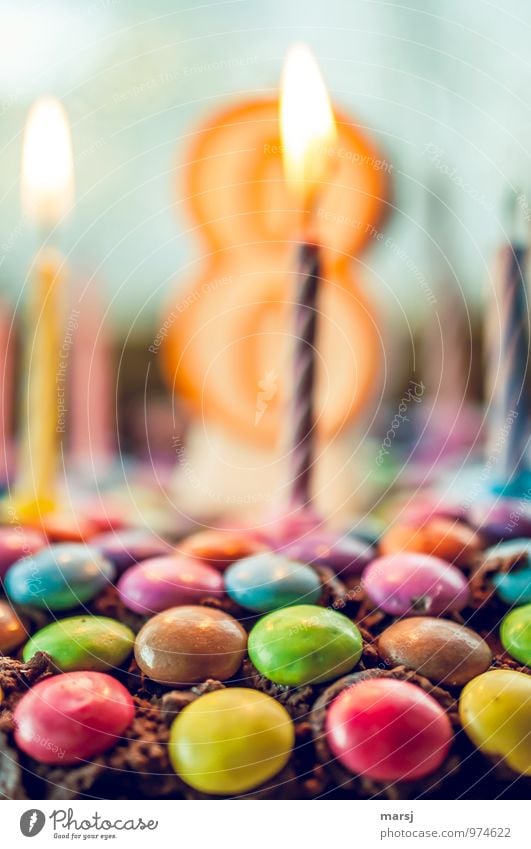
[[346, 555], [163, 582], [17, 542], [505, 518], [415, 584], [123, 548]]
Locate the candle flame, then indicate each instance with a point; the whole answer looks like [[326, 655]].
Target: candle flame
[[307, 124], [47, 167]]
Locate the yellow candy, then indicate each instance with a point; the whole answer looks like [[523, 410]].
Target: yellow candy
[[231, 741], [495, 711]]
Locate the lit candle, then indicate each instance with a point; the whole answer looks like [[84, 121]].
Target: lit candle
[[307, 131], [47, 193]]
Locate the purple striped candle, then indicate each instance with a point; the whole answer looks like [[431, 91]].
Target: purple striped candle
[[507, 364], [302, 417]]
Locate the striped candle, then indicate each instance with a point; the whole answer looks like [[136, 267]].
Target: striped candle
[[507, 364], [301, 419]]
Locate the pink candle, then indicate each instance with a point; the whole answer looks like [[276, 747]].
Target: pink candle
[[6, 388], [91, 380]]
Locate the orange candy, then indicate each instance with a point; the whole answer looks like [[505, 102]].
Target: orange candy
[[448, 539], [219, 548]]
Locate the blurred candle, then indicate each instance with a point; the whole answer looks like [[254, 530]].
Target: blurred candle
[[307, 129], [508, 362], [91, 423], [47, 193], [6, 389]]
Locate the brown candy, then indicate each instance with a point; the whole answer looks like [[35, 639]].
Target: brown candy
[[439, 649], [12, 631], [448, 539], [188, 644]]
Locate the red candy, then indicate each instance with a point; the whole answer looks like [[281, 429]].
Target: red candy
[[388, 730], [72, 717]]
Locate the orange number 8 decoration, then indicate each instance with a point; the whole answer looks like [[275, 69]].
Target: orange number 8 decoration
[[225, 349]]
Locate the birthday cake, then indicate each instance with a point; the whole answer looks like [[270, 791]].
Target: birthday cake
[[327, 666]]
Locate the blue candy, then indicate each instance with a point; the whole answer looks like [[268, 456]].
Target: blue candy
[[513, 587], [59, 577], [265, 582]]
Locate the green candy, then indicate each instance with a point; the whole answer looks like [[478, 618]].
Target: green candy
[[83, 643], [305, 644], [515, 633]]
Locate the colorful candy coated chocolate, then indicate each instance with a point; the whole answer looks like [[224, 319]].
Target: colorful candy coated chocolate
[[83, 643], [388, 730], [72, 717], [16, 543], [440, 649], [268, 581], [219, 548], [231, 741], [495, 711], [503, 518], [59, 577], [125, 547], [346, 555], [514, 587], [12, 631], [162, 582], [304, 644], [448, 539], [515, 634], [188, 644], [68, 527], [408, 584]]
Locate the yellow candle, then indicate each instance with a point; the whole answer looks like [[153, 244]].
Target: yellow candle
[[47, 191]]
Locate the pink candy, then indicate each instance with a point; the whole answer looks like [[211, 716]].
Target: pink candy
[[408, 583], [163, 582], [16, 543], [72, 717]]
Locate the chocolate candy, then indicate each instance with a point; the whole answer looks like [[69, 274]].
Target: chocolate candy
[[515, 634], [219, 548], [388, 730], [16, 543], [125, 547], [409, 584], [441, 650], [72, 717], [305, 644], [185, 645], [346, 555], [231, 741], [59, 577], [495, 711], [267, 581], [162, 582], [83, 642], [12, 631], [448, 539]]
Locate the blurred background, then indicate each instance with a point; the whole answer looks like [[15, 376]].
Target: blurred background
[[443, 87]]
